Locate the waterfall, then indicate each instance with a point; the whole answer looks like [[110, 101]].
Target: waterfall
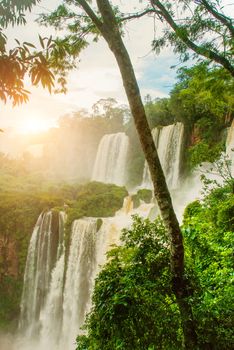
[[168, 141], [146, 182], [230, 147], [45, 247], [79, 276], [110, 163], [54, 321]]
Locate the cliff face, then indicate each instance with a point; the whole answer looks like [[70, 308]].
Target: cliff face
[[9, 262]]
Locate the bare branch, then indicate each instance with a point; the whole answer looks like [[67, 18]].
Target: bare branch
[[138, 14]]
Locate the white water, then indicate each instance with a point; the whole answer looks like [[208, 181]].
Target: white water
[[37, 274], [55, 323], [168, 141], [41, 304], [110, 163], [79, 278]]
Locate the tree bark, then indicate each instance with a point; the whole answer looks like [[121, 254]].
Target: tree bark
[[110, 31]]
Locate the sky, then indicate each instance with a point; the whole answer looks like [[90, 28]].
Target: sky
[[97, 75]]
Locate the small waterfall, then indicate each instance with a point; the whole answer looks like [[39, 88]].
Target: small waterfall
[[230, 146], [110, 163], [168, 141]]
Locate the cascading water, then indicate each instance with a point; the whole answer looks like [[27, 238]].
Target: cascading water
[[168, 141], [110, 163], [37, 273], [146, 182], [41, 303], [67, 300], [79, 277]]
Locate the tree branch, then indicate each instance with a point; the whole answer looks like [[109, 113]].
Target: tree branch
[[222, 18], [182, 34], [91, 14], [138, 14]]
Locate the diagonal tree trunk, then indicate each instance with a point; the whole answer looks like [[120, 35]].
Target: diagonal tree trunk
[[110, 31]]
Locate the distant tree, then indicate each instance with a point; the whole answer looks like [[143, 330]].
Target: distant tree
[[158, 111], [108, 108]]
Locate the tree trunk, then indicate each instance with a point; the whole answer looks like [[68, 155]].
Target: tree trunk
[[110, 31]]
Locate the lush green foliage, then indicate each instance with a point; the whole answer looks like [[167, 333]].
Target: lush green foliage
[[158, 111], [208, 230], [10, 294], [95, 199], [142, 195], [203, 101], [133, 304]]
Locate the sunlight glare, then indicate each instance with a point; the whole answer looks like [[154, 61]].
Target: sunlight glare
[[34, 125]]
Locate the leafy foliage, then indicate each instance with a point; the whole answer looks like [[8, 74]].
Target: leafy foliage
[[202, 100], [200, 27], [142, 195], [158, 111], [208, 230], [133, 302], [12, 11], [54, 58], [94, 199]]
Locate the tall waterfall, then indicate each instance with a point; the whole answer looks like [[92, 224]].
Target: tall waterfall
[[44, 249], [168, 141], [79, 276], [53, 322], [110, 163], [41, 303]]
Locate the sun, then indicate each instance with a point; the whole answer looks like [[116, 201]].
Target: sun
[[33, 125]]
